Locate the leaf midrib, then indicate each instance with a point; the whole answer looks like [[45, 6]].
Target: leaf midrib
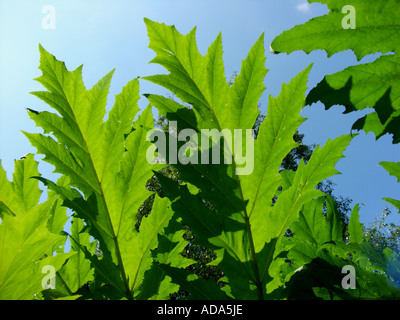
[[101, 194], [243, 210]]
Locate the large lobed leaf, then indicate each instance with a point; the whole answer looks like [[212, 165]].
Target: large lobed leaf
[[376, 29], [372, 85], [106, 166], [242, 223], [28, 236]]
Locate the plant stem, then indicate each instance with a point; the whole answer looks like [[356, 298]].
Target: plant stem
[[260, 291], [258, 282]]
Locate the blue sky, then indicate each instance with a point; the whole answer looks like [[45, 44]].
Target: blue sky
[[103, 35]]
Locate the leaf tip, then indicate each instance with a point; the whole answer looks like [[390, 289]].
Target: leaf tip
[[272, 50], [41, 48]]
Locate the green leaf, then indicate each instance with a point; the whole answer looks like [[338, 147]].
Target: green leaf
[[158, 285], [320, 166], [26, 242], [105, 162], [363, 86], [315, 227], [140, 258], [241, 223], [22, 193], [355, 227], [318, 227], [394, 170], [78, 270], [274, 142], [59, 217], [395, 203], [372, 85], [376, 29], [246, 91]]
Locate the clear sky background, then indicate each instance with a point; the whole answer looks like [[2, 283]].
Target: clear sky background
[[103, 35]]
